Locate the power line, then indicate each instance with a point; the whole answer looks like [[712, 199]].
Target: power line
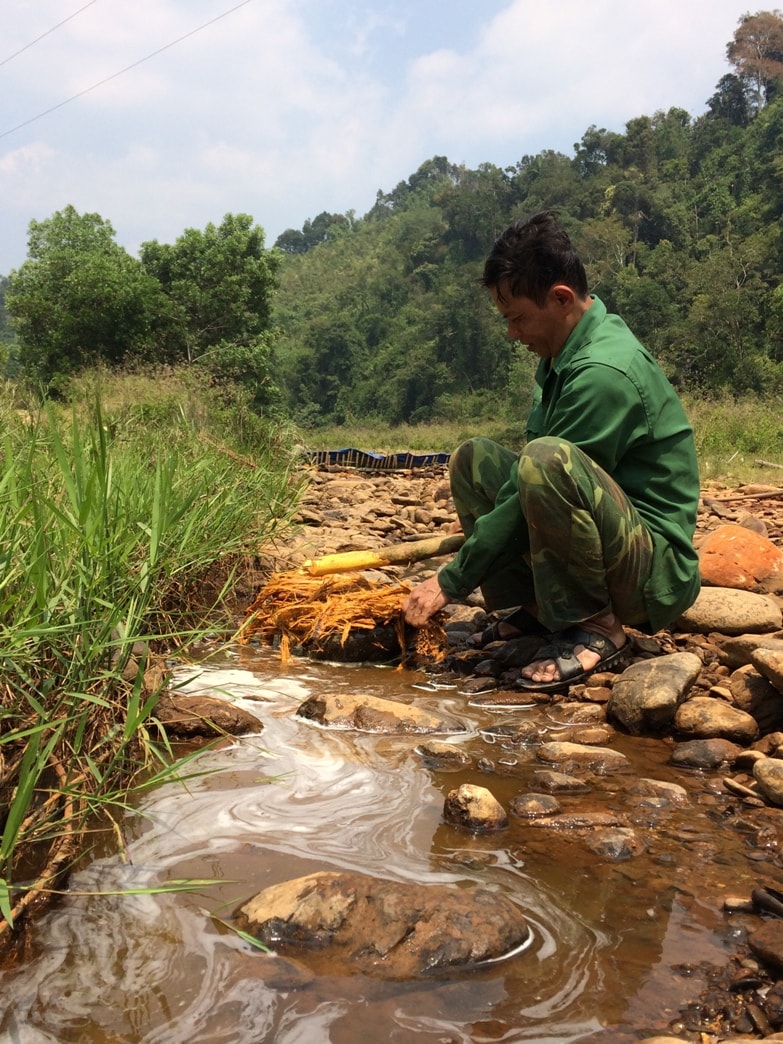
[[120, 72], [47, 33]]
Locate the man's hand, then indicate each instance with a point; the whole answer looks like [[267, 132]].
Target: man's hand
[[423, 602]]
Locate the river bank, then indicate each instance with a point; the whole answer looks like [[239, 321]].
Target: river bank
[[623, 879]]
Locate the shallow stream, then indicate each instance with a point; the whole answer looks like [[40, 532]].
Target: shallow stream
[[618, 947]]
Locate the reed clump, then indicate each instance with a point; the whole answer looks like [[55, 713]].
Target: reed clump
[[112, 533]]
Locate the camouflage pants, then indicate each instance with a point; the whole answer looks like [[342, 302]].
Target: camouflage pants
[[582, 548]]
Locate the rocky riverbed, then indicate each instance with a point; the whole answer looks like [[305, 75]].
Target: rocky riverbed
[[711, 689]]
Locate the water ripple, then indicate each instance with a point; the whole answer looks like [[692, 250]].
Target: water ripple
[[149, 969]]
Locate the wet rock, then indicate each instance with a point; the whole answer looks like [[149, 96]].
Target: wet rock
[[516, 733], [706, 754], [443, 755], [575, 713], [673, 793], [645, 698], [590, 736], [362, 645], [757, 696], [597, 759], [533, 806], [277, 973], [474, 808], [771, 745], [502, 699], [773, 1004], [559, 782], [568, 821], [600, 694], [474, 686], [352, 923], [665, 1040], [372, 714], [737, 651], [729, 611], [766, 943], [188, 716], [704, 717], [768, 774], [617, 845], [769, 663], [646, 645], [738, 557], [745, 761], [488, 669]]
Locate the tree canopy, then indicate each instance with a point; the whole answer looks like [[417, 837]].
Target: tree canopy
[[677, 219], [756, 51], [80, 299]]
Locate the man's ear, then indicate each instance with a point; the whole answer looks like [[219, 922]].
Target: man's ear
[[564, 296]]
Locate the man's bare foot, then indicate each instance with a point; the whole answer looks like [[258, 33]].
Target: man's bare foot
[[606, 625]]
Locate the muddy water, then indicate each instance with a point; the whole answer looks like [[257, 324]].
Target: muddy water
[[610, 939]]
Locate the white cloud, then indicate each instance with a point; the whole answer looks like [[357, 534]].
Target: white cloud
[[285, 108]]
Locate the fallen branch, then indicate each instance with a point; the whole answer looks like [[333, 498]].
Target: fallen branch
[[59, 861], [771, 494], [394, 554]]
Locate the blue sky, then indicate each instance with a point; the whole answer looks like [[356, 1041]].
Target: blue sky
[[284, 108]]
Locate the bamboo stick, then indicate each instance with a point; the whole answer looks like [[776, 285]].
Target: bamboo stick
[[394, 554]]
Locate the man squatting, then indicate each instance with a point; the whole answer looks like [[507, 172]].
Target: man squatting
[[591, 526]]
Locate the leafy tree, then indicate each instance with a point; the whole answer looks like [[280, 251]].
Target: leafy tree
[[5, 318], [219, 285], [756, 52], [597, 149], [731, 101], [313, 232], [219, 282], [7, 333], [79, 299], [547, 181], [475, 210]]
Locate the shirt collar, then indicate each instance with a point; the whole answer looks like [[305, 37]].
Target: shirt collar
[[581, 334]]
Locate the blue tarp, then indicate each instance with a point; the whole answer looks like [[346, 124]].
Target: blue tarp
[[365, 459]]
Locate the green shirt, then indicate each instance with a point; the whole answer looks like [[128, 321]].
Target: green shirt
[[606, 394]]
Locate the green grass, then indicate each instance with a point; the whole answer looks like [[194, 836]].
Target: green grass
[[731, 436], [123, 521]]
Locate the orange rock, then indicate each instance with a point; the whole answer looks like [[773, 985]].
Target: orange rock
[[733, 556]]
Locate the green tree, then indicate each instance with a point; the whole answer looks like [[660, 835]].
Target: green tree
[[80, 299], [756, 52], [313, 232], [6, 329], [597, 149], [219, 285]]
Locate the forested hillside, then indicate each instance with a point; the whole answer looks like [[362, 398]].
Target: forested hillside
[[677, 219]]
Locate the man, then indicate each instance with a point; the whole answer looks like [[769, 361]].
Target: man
[[591, 526]]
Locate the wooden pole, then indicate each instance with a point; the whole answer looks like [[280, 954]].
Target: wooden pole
[[394, 554]]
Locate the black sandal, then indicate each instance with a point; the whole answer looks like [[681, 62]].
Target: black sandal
[[521, 621], [561, 649]]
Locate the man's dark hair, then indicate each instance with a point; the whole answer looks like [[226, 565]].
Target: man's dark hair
[[531, 256]]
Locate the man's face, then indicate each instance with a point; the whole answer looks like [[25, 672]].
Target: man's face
[[542, 329]]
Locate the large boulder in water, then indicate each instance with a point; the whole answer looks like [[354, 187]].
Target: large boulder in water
[[348, 923], [373, 714]]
